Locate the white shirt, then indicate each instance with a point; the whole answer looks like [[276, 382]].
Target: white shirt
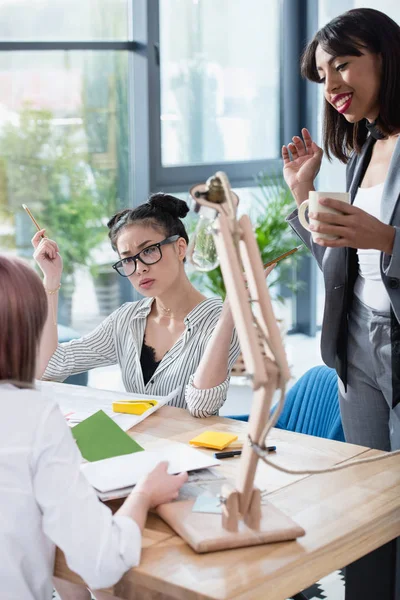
[[369, 287], [46, 501], [119, 339]]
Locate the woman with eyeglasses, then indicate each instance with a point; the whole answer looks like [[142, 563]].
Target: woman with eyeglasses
[[173, 337], [45, 500]]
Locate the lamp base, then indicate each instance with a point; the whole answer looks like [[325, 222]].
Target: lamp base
[[204, 532]]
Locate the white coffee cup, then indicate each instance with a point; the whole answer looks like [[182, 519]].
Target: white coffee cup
[[313, 205]]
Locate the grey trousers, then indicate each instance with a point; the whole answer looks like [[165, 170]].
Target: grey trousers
[[366, 408]]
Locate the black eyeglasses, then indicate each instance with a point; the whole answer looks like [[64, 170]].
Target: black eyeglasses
[[148, 256]]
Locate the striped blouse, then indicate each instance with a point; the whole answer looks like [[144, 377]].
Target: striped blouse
[[119, 338]]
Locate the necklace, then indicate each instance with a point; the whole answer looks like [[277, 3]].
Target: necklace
[[164, 311]]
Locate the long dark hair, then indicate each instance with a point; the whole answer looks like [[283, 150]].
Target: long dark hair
[[161, 211], [23, 313], [348, 35]]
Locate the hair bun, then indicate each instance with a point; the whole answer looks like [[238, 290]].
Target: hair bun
[[166, 203], [115, 218]]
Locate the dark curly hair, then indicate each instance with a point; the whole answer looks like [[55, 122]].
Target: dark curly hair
[[350, 34], [161, 211]]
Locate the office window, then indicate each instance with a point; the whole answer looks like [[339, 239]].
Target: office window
[[64, 151], [220, 81], [207, 78]]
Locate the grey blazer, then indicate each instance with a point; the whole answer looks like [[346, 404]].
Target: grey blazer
[[340, 265]]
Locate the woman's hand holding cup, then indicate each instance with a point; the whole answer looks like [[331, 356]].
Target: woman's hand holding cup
[[334, 223], [315, 209]]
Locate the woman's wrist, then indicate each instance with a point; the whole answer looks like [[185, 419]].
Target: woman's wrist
[[143, 496], [51, 283], [301, 191], [388, 240]]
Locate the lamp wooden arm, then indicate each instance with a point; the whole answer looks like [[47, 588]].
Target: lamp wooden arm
[[244, 520]]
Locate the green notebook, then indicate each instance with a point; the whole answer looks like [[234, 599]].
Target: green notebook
[[99, 437]]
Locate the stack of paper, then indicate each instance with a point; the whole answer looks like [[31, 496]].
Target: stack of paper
[[79, 403], [115, 477]]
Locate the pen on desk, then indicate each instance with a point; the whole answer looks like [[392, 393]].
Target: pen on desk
[[278, 258], [229, 453], [26, 209]]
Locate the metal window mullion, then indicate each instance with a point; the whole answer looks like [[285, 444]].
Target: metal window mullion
[[21, 46], [241, 174], [139, 182], [299, 22], [155, 154]]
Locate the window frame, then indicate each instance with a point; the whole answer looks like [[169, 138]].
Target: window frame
[[179, 178], [136, 46]]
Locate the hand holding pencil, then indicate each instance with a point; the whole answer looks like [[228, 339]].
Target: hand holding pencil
[[46, 255], [30, 215]]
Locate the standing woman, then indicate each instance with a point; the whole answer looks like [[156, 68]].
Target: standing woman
[[173, 337], [356, 58]]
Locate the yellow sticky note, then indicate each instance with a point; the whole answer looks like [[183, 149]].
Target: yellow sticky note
[[133, 407], [216, 440]]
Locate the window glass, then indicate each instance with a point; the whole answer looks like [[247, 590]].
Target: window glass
[[328, 9], [55, 20], [64, 152], [219, 81]]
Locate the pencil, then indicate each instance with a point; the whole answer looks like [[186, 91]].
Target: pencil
[[282, 256], [24, 206]]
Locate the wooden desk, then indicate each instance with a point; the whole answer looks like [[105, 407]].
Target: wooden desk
[[346, 515]]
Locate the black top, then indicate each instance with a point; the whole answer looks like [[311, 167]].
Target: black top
[[148, 361]]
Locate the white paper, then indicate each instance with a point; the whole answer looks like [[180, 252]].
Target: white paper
[[118, 472], [200, 477], [78, 402]]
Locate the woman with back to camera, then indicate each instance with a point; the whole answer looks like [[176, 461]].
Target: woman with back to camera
[[356, 58], [173, 337], [45, 500]]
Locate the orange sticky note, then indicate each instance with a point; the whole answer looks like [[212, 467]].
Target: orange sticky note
[[216, 440]]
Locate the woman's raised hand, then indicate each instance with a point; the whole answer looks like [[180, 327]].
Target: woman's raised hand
[[301, 170], [48, 258]]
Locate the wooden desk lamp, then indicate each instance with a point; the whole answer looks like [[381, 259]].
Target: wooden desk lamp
[[245, 520]]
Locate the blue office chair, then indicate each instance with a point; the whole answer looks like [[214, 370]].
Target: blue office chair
[[312, 406], [66, 334]]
